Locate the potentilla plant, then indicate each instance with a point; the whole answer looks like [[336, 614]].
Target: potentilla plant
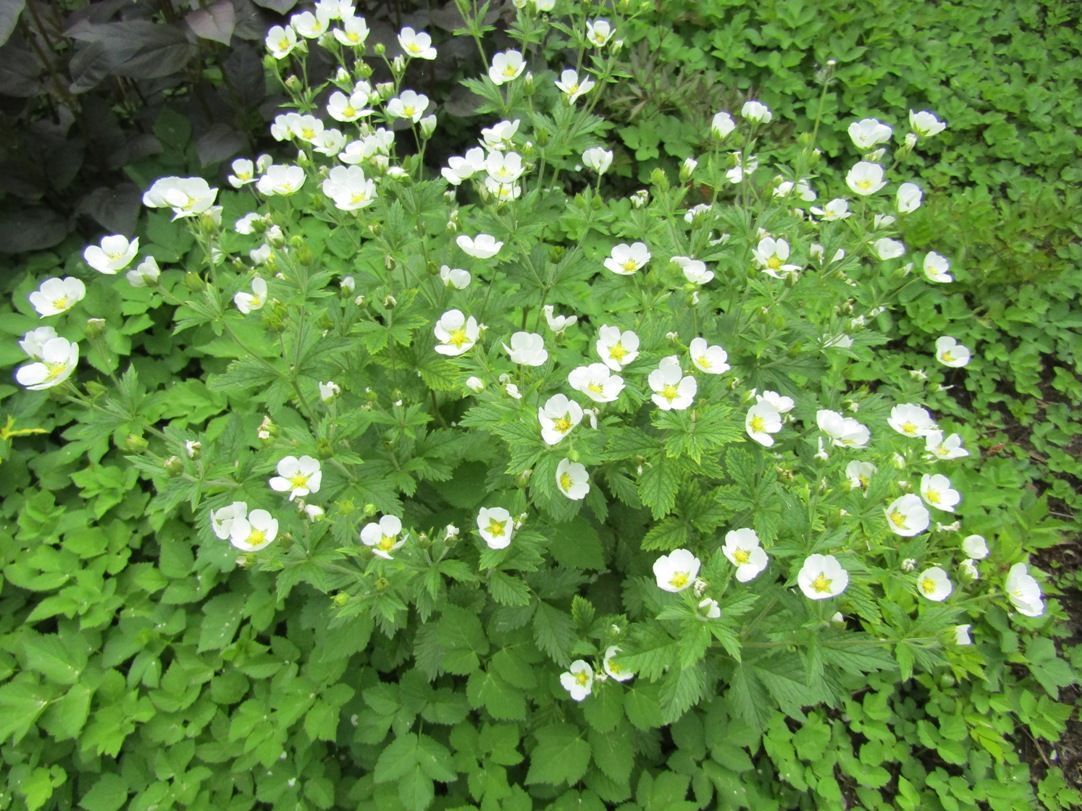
[[623, 437]]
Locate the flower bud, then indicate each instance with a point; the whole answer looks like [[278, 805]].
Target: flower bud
[[340, 599], [94, 327], [174, 466], [135, 443], [193, 281]]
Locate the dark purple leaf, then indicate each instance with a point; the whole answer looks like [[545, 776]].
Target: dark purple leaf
[[279, 6], [9, 16], [116, 209], [246, 82], [220, 142], [215, 22], [31, 229], [19, 70]]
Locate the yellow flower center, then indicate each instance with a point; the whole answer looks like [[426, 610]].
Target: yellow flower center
[[413, 48], [61, 303], [927, 585], [572, 90], [582, 678], [669, 392], [864, 184], [757, 424], [495, 528], [408, 110], [358, 197], [386, 543], [563, 424], [909, 428], [349, 111], [283, 44], [566, 482], [773, 263], [458, 338], [933, 496], [308, 133], [509, 72], [679, 580], [821, 584], [897, 519], [703, 362], [947, 357], [614, 668], [56, 369], [255, 301], [630, 265], [863, 480], [298, 480], [353, 36], [256, 537], [742, 556], [617, 352], [595, 388]]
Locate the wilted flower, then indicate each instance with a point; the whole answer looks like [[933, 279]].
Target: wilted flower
[[907, 516], [951, 353], [709, 608], [822, 577], [299, 476], [495, 526], [676, 571], [456, 333], [743, 551], [933, 584], [329, 391], [961, 635], [382, 537], [527, 348], [628, 259], [578, 680], [572, 479]]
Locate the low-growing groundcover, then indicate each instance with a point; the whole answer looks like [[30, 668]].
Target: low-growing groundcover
[[487, 489]]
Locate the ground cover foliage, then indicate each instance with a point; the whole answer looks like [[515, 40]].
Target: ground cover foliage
[[352, 661]]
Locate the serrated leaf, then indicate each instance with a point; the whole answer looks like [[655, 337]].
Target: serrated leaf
[[554, 632], [613, 754], [670, 534], [221, 619], [657, 488], [681, 689], [561, 756], [508, 590], [21, 703], [108, 793], [49, 656], [502, 701], [576, 544]]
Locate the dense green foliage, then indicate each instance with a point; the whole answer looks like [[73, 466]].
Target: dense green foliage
[[141, 667]]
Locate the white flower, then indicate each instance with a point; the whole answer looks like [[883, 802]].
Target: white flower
[[676, 571], [836, 209], [783, 404], [598, 159], [909, 198], [457, 278], [756, 112], [345, 108], [253, 532], [408, 104], [887, 249], [461, 168], [246, 302], [495, 526], [925, 124], [742, 167], [329, 391], [506, 66], [868, 133], [456, 333], [617, 349], [909, 419], [475, 384], [762, 420], [822, 577], [907, 516], [936, 490], [311, 25], [799, 189], [280, 41], [572, 87], [221, 520], [243, 173], [940, 448], [56, 296], [709, 608], [527, 348], [770, 257], [599, 32], [572, 479], [1024, 591], [865, 178], [722, 125], [933, 584], [558, 323], [348, 188], [951, 353], [936, 268], [112, 255], [961, 635], [844, 432], [353, 33], [416, 44], [694, 269], [299, 476], [578, 680], [743, 551], [970, 570], [859, 474], [382, 537], [484, 246], [672, 390], [281, 179], [146, 273], [55, 358], [975, 546], [597, 382], [626, 260], [187, 196], [504, 167], [612, 668], [709, 359], [499, 135], [558, 416]]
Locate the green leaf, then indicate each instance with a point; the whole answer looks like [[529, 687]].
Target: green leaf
[[605, 709], [657, 487], [221, 619], [577, 545], [59, 662], [680, 690], [503, 702], [508, 590], [613, 754], [554, 632], [21, 702], [109, 793], [670, 534], [561, 756], [68, 715]]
